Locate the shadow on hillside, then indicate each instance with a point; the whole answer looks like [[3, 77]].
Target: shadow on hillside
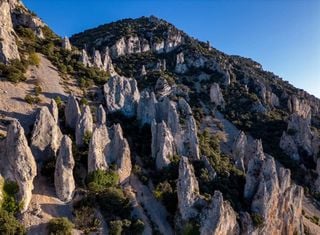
[[54, 95]]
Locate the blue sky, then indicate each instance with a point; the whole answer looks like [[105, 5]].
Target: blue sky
[[282, 35]]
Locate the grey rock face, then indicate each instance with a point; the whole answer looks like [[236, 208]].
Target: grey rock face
[[272, 99], [63, 175], [84, 125], [146, 111], [122, 95], [53, 107], [101, 116], [162, 87], [219, 218], [107, 62], [300, 107], [188, 189], [46, 136], [18, 163], [239, 151], [216, 96], [97, 61], [273, 196], [118, 152], [8, 46], [163, 146], [97, 149], [72, 112], [84, 58], [181, 67], [143, 71], [66, 44]]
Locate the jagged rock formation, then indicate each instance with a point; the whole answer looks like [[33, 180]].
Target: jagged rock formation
[[143, 71], [84, 58], [301, 107], [84, 125], [146, 111], [8, 46], [101, 116], [181, 67], [66, 44], [72, 112], [216, 96], [122, 95], [107, 62], [299, 137], [18, 163], [46, 136], [219, 218], [63, 175], [53, 107], [162, 87], [97, 149], [272, 196], [162, 144], [239, 150], [118, 152], [187, 189], [97, 61]]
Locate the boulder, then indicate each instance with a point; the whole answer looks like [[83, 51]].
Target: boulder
[[187, 189], [163, 146], [46, 136], [72, 112], [219, 218], [63, 175], [18, 163], [84, 125], [122, 95]]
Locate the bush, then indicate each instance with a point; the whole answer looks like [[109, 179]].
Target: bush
[[10, 225], [115, 227], [9, 202], [60, 226], [191, 228], [85, 219], [37, 90], [34, 59], [32, 99], [257, 220], [99, 181], [59, 102]]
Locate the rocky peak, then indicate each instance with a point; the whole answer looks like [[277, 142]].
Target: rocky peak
[[84, 58], [84, 125], [239, 150], [53, 107], [72, 112], [97, 61], [66, 44], [18, 163], [101, 116], [146, 111], [63, 175], [188, 189], [122, 95], [219, 217], [46, 136], [216, 96], [181, 67]]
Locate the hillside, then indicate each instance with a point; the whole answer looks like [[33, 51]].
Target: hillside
[[134, 127]]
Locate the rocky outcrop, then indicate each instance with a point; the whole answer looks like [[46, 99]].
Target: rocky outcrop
[[187, 189], [162, 87], [143, 71], [161, 65], [66, 44], [46, 136], [216, 96], [122, 95], [146, 111], [118, 153], [97, 61], [163, 146], [18, 163], [272, 99], [84, 58], [300, 107], [107, 62], [84, 125], [181, 67], [219, 218], [53, 108], [63, 175], [273, 197], [8, 45], [98, 149], [101, 116], [72, 112], [298, 136], [239, 150]]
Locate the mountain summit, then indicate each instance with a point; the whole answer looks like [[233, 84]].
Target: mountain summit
[[134, 127]]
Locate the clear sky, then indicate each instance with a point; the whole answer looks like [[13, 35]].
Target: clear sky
[[282, 35]]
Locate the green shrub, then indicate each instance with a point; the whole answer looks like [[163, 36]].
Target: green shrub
[[257, 220], [59, 102], [86, 138], [191, 228], [34, 59], [85, 219], [99, 181], [60, 226], [32, 99], [9, 202], [10, 225], [84, 101], [37, 90], [137, 227], [115, 227]]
